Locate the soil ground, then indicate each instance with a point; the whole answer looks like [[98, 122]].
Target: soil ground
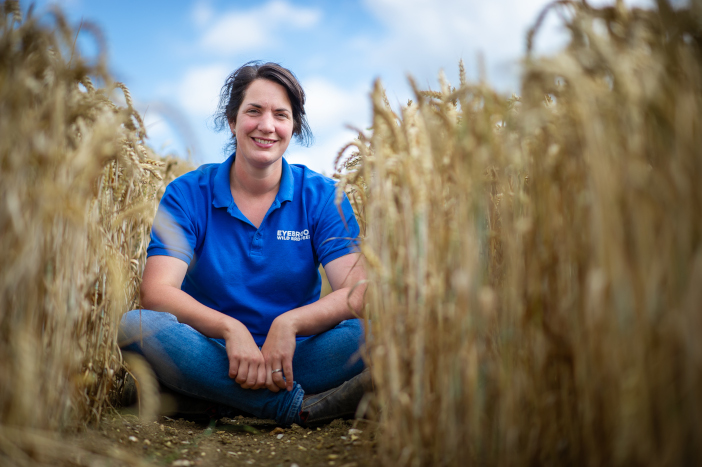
[[123, 438]]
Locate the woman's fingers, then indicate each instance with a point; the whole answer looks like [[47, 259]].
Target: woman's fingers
[[283, 379], [246, 362], [287, 369], [260, 376], [243, 372], [233, 368], [278, 375], [269, 381], [252, 377], [269, 378], [279, 349]]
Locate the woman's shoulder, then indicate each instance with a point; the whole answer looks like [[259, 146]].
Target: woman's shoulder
[[196, 185], [195, 177], [312, 182]]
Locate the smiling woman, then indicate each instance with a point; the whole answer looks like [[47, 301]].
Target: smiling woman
[[233, 310], [236, 86], [264, 126]]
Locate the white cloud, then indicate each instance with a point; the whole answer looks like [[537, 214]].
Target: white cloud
[[424, 36], [202, 13], [330, 107], [449, 28], [198, 90], [320, 157], [239, 31], [160, 133]]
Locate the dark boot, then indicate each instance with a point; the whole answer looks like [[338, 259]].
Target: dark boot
[[340, 402], [129, 391]]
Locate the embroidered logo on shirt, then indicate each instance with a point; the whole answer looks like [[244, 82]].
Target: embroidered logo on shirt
[[293, 235]]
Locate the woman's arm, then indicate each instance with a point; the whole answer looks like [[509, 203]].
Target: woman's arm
[[347, 278], [160, 291]]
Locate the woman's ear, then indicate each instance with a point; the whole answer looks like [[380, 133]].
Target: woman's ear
[[232, 126]]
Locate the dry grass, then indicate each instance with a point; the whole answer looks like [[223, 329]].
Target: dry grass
[[538, 261], [78, 189]]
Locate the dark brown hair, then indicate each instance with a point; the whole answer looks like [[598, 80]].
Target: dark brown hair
[[232, 95]]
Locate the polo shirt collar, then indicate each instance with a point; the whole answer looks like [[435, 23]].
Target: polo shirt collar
[[286, 189], [223, 193]]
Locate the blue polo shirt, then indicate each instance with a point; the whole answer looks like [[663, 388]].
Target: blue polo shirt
[[253, 274]]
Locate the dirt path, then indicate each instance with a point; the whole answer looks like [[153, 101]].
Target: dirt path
[[238, 441]]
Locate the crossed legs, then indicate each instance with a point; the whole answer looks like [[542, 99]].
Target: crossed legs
[[188, 362]]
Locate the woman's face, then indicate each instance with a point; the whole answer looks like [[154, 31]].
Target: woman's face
[[264, 124]]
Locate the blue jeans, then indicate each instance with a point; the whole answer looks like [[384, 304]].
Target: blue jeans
[[190, 363]]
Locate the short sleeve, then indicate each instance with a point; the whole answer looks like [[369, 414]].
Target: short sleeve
[[173, 232], [336, 233]]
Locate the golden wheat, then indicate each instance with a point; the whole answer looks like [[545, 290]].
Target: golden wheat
[[537, 261], [78, 189]]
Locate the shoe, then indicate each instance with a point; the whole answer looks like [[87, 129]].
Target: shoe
[[340, 402], [128, 397]]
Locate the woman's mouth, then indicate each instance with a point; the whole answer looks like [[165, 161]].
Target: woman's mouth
[[265, 142]]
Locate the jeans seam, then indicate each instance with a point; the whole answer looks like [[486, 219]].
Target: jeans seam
[[293, 413]]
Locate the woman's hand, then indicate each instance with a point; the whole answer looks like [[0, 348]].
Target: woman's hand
[[246, 363], [278, 351]]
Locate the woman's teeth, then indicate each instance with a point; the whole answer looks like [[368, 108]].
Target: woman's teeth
[[263, 141]]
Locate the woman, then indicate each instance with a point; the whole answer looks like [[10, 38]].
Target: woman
[[231, 284]]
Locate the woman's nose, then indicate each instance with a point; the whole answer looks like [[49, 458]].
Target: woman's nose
[[266, 123]]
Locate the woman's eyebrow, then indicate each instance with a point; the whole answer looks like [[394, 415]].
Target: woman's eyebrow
[[259, 106]]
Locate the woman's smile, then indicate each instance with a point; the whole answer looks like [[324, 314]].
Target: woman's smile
[[264, 142]]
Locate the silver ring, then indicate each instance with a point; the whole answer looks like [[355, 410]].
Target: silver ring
[[276, 371]]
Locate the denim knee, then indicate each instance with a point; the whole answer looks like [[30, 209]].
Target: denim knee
[[136, 324], [353, 329]]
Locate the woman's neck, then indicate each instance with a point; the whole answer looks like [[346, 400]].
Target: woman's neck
[[253, 181]]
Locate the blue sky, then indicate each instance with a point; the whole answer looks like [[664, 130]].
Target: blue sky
[[175, 55]]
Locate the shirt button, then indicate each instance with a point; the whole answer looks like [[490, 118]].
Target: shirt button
[[258, 235]]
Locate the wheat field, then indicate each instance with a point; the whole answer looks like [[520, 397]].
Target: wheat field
[[78, 191], [537, 260]]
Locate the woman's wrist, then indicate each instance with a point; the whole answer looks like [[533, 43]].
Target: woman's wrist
[[230, 327], [287, 320]]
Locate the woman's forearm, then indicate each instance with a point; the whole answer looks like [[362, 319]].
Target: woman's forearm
[[347, 278], [326, 312], [211, 323]]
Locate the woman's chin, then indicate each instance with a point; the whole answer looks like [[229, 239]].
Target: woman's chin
[[262, 159]]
